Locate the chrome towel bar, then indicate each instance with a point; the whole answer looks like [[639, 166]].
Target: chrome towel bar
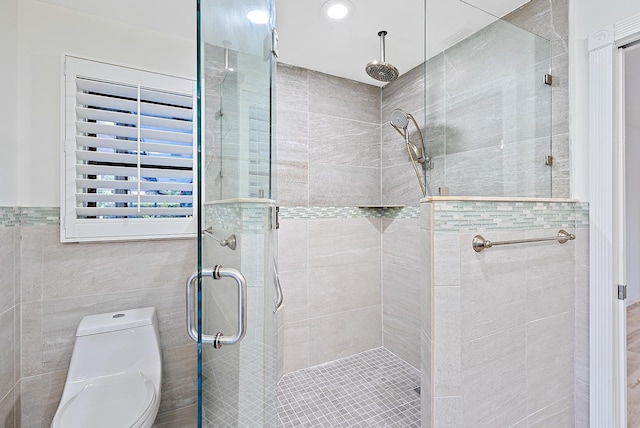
[[479, 243], [229, 242]]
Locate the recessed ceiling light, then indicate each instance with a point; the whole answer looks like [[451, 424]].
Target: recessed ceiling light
[[337, 9], [258, 16]]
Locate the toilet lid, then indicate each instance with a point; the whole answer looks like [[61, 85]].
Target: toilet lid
[[120, 400]]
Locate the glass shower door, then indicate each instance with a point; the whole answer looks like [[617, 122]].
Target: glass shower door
[[237, 250]]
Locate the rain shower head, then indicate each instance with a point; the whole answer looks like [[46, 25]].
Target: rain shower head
[[381, 70], [399, 119]]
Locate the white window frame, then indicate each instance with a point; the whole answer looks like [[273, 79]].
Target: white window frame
[[74, 228]]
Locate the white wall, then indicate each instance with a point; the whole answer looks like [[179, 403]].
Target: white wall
[[632, 158], [8, 89], [587, 16], [45, 32]]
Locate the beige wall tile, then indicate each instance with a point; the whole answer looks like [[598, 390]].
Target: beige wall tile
[[494, 382], [493, 295], [335, 242], [40, 397], [343, 334], [343, 288], [558, 414], [401, 242], [7, 267], [293, 87], [31, 339], [447, 346], [446, 267], [32, 255], [293, 240], [549, 361], [426, 377], [401, 311], [335, 96], [406, 92], [294, 289], [426, 282], [339, 141], [17, 342], [90, 268], [296, 346], [550, 276], [7, 357], [447, 412], [9, 410], [343, 185], [179, 378], [399, 183]]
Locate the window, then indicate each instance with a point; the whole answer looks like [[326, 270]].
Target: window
[[128, 154]]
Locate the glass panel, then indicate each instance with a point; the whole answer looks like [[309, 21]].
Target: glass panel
[[237, 382], [244, 128], [489, 125]]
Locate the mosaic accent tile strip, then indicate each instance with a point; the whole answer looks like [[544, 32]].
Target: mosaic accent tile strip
[[472, 216], [240, 217], [449, 215], [300, 213], [29, 216], [9, 216], [372, 389], [582, 214]]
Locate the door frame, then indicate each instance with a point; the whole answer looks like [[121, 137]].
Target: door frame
[[607, 313]]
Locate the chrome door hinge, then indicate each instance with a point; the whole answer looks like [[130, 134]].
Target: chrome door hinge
[[277, 217], [548, 160], [548, 79], [274, 42], [622, 292], [270, 45]]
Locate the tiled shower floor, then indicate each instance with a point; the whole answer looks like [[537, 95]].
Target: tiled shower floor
[[371, 389]]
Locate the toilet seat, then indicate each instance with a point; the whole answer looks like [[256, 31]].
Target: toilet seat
[[120, 400]]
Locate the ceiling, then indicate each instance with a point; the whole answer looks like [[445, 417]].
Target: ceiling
[[308, 39]]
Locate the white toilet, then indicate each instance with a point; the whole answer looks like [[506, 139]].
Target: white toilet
[[115, 373]]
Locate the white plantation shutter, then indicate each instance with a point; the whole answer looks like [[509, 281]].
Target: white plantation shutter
[[128, 162]]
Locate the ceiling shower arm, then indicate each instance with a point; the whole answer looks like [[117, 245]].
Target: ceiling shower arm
[[382, 43]]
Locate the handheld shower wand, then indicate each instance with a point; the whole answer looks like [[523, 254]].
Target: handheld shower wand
[[400, 122]]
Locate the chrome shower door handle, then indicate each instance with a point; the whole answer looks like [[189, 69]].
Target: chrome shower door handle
[[219, 339], [222, 272], [192, 307], [279, 296]]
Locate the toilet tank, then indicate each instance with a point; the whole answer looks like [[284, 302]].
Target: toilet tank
[[114, 342]]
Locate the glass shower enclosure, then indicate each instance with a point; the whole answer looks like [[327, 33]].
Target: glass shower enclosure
[[234, 297]]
